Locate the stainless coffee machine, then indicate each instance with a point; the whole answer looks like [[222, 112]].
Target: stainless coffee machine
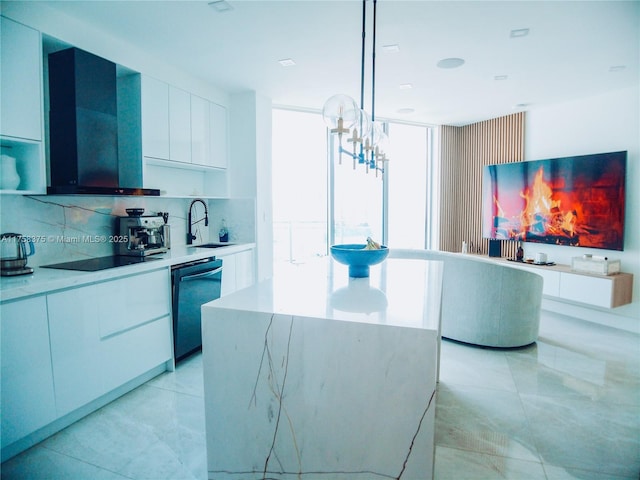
[[142, 235]]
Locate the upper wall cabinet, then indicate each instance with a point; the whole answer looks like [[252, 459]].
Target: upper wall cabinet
[[182, 127], [155, 118], [218, 135], [166, 121], [22, 164], [208, 133], [184, 141], [200, 128], [20, 81], [179, 125]]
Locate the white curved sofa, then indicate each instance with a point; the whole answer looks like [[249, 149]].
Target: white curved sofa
[[484, 302]]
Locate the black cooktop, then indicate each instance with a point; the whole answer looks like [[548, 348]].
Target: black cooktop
[[99, 263]]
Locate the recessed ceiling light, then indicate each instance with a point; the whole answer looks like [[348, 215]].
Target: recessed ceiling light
[[221, 6], [286, 62], [519, 32], [450, 62], [520, 105], [501, 77], [617, 68], [405, 111], [406, 86], [393, 48]]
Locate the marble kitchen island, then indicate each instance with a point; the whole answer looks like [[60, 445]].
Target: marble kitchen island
[[313, 375]]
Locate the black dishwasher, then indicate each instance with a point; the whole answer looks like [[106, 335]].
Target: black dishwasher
[[193, 284]]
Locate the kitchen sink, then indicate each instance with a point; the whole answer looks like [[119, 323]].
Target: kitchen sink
[[214, 245]]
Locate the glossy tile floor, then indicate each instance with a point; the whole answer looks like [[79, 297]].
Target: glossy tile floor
[[567, 407]]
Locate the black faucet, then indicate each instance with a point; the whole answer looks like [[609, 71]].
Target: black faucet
[[190, 236]]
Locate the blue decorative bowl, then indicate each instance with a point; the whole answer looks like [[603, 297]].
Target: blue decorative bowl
[[357, 258]]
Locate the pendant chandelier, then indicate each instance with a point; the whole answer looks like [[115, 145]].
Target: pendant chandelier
[[345, 118]]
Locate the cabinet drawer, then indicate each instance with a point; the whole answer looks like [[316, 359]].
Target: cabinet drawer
[[106, 334], [132, 301], [126, 356], [586, 289]]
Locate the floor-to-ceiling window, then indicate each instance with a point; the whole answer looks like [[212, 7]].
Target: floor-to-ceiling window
[[407, 186], [318, 202], [357, 202], [299, 175]]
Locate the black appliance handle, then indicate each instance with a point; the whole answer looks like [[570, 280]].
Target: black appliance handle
[[201, 275]]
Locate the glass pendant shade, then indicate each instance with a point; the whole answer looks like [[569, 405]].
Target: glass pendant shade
[[363, 124], [340, 113], [376, 135], [344, 118]]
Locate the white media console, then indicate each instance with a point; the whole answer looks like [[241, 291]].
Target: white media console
[[561, 283]]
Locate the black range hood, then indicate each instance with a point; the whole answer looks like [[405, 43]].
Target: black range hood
[[83, 129]]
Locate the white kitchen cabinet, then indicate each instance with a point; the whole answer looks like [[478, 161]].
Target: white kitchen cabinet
[[237, 271], [244, 269], [75, 344], [166, 121], [21, 105], [179, 142], [105, 334], [218, 135], [228, 274], [28, 401], [200, 129], [20, 81], [208, 133], [155, 117], [179, 125]]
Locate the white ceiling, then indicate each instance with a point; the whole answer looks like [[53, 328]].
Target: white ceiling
[[568, 53]]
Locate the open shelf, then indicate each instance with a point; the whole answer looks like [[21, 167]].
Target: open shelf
[[29, 164], [185, 179]]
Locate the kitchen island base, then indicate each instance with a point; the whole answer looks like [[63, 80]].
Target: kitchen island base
[[312, 398], [294, 396]]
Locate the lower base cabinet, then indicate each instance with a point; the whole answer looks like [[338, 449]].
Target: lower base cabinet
[[63, 350], [27, 393], [105, 334], [237, 271]]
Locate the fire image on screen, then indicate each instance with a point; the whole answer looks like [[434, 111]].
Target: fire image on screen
[[577, 201]]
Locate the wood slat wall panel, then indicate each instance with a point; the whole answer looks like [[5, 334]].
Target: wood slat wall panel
[[464, 151]]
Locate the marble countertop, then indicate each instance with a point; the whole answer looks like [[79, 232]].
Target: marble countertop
[[399, 292], [45, 280]]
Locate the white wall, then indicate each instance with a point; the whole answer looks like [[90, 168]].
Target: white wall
[[250, 168], [604, 123]]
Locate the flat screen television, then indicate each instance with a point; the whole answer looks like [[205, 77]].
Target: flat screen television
[[577, 201]]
